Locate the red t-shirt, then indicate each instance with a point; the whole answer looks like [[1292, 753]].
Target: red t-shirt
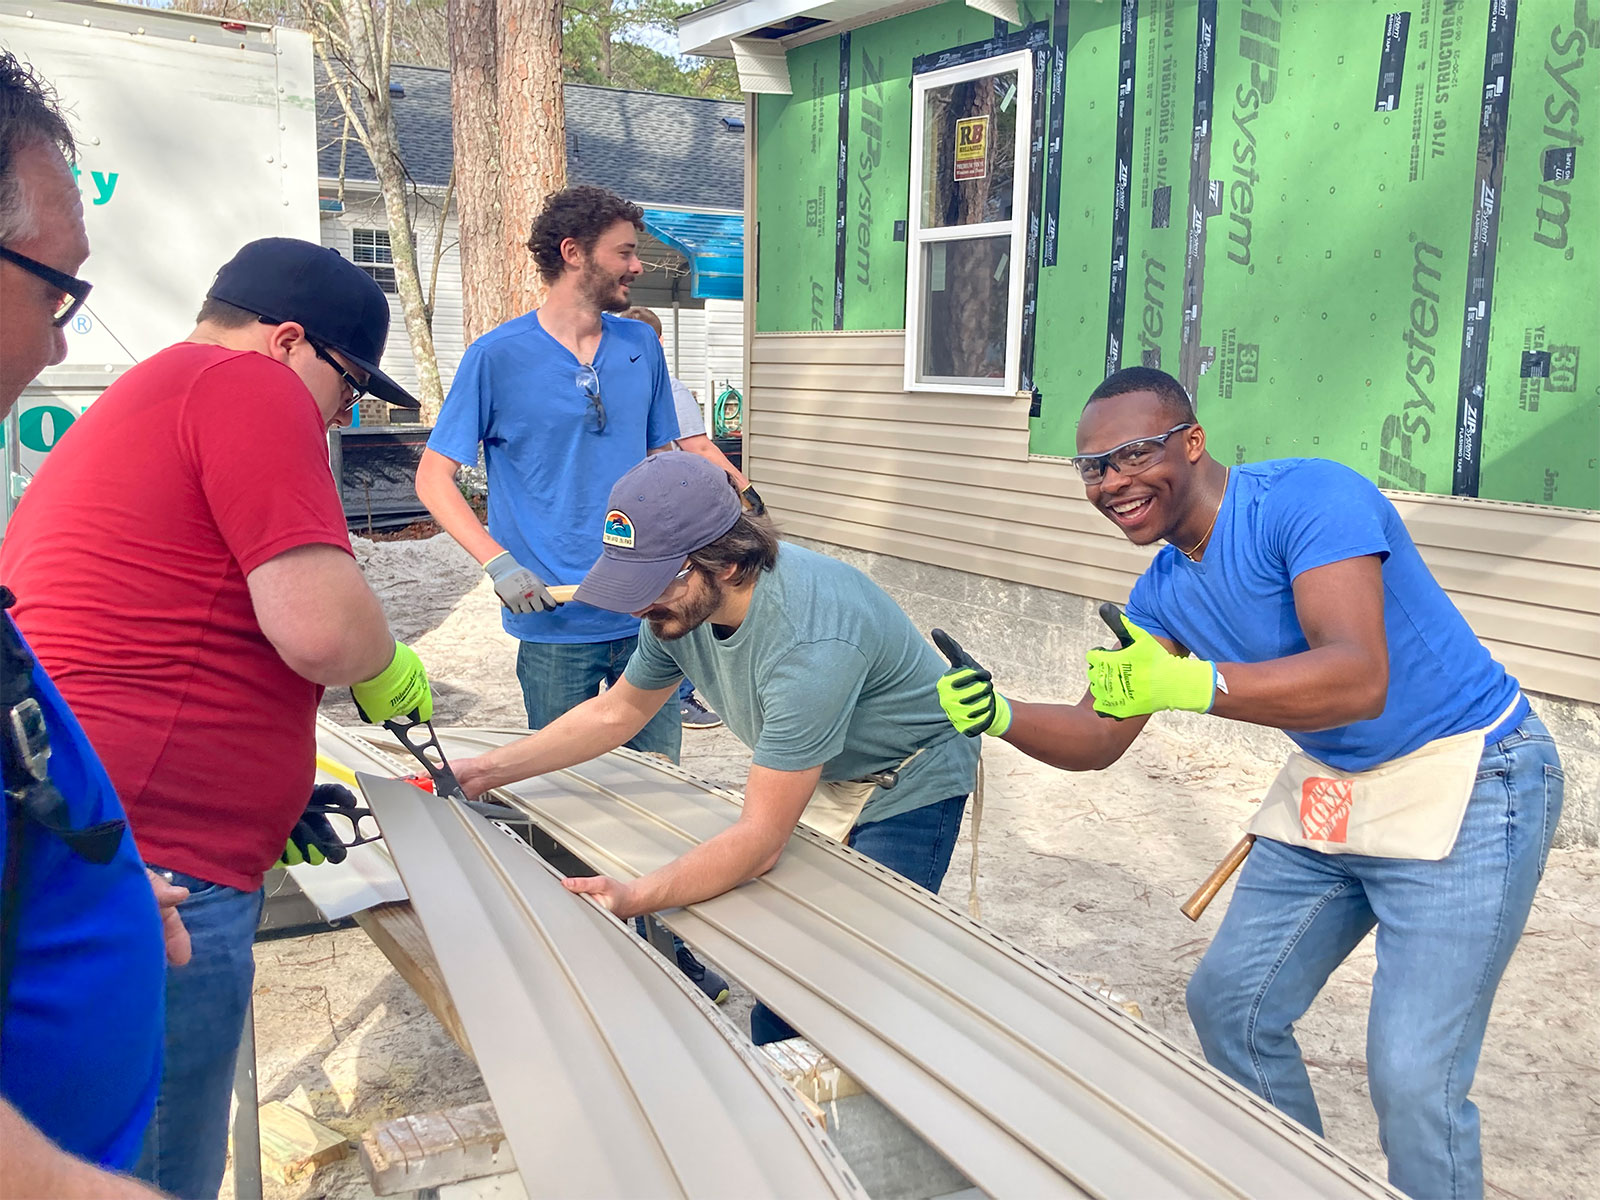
[[128, 555]]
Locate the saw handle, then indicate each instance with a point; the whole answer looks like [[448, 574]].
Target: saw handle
[[1207, 891], [1112, 616], [954, 654], [444, 779]]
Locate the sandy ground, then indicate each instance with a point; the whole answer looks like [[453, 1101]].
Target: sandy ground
[[1085, 871]]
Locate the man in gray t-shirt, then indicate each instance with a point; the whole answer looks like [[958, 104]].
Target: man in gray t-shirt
[[810, 663]]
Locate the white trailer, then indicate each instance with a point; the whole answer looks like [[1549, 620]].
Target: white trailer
[[195, 135]]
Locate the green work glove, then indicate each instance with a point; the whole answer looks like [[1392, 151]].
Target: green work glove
[[312, 840], [966, 692], [399, 689], [1141, 676]]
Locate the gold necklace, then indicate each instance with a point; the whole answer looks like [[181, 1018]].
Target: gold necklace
[[1190, 554]]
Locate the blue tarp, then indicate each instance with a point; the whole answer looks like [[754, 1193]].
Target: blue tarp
[[713, 244]]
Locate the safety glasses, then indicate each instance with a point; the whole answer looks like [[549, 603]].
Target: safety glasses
[[74, 291], [1130, 458]]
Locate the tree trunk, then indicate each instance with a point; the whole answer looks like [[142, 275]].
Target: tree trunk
[[533, 147], [474, 101], [510, 147]]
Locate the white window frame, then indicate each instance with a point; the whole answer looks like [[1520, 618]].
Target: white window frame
[[371, 265], [918, 237]]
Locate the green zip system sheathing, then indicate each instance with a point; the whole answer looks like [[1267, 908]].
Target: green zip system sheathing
[[1029, 1084], [1390, 257]]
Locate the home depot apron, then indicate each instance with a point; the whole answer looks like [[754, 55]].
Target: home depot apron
[[835, 805], [1409, 807]]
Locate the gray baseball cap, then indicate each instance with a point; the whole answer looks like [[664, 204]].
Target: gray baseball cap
[[669, 505]]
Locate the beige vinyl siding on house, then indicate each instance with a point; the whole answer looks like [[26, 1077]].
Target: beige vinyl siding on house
[[845, 455]]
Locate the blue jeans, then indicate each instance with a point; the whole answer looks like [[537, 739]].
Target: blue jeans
[[685, 689], [186, 1146], [915, 844], [559, 676], [1446, 930]]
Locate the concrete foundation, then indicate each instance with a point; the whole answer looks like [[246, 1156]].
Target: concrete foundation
[[1034, 641]]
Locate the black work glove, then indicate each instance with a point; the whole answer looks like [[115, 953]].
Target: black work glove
[[312, 840]]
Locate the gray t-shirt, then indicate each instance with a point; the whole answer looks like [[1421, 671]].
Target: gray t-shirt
[[690, 419], [824, 670]]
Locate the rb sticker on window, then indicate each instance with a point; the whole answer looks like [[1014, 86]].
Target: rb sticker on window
[[972, 147]]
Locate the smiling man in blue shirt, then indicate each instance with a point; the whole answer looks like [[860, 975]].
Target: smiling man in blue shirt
[[564, 400], [1422, 801]]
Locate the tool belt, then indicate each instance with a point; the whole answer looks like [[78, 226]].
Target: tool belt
[[29, 794], [835, 805], [1409, 807]]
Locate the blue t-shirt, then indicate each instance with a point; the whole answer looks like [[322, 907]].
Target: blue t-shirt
[[80, 1056], [1291, 515], [550, 469]]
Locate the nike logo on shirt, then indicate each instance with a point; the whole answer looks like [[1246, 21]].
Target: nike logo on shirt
[[633, 358]]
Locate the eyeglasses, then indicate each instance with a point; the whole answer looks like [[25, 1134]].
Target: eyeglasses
[[589, 382], [74, 291], [357, 388], [672, 584], [1130, 458]]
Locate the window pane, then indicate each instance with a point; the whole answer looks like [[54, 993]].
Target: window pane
[[371, 246], [383, 277], [966, 295], [969, 145]]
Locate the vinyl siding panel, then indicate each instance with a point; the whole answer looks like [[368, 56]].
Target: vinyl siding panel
[[844, 455]]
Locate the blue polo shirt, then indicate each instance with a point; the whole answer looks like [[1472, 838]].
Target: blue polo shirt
[[80, 1053], [1282, 518], [551, 468]]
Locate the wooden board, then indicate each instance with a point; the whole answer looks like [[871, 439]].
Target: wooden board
[[433, 1149], [293, 1145], [395, 929]]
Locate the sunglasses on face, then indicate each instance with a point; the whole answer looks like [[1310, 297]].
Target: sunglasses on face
[[74, 291], [589, 383], [1128, 459]]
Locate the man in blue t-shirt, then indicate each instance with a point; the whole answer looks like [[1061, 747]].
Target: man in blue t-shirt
[[564, 400], [82, 968], [1289, 594]]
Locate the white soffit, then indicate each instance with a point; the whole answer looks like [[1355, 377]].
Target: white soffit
[[1006, 10], [763, 66]]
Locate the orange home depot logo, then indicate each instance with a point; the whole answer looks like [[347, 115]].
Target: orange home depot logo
[[1325, 808]]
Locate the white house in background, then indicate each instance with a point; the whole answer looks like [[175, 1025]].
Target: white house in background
[[679, 157]]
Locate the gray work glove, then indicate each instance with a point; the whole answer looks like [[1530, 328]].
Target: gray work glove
[[519, 589]]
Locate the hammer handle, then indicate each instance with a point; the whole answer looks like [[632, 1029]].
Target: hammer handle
[[1207, 891], [562, 592]]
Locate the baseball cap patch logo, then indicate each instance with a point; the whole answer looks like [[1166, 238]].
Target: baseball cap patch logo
[[619, 529]]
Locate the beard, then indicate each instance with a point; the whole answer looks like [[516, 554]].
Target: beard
[[603, 289], [670, 624]]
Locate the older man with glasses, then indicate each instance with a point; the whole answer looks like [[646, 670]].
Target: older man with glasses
[[185, 574], [77, 921]]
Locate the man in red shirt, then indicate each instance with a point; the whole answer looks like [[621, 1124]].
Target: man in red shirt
[[187, 580]]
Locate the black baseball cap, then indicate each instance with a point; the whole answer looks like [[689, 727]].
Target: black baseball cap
[[338, 304]]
